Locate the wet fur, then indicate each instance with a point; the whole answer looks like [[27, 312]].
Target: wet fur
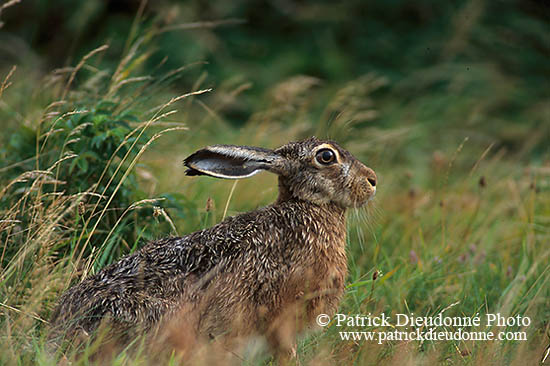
[[269, 271]]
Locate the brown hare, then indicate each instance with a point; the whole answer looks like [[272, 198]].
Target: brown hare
[[269, 272]]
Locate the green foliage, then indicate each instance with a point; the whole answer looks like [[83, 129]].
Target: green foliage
[[437, 97], [98, 135], [87, 143]]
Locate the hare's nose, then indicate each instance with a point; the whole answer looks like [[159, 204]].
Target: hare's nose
[[371, 178]]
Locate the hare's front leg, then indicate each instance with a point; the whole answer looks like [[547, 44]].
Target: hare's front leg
[[283, 345]]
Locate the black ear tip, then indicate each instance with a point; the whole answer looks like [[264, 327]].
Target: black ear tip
[[193, 172], [188, 159]]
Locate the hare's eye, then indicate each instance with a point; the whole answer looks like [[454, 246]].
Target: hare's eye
[[325, 156]]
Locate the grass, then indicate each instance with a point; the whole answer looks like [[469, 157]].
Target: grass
[[460, 223]]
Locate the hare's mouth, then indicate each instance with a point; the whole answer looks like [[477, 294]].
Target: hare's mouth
[[363, 202], [369, 196], [372, 193]]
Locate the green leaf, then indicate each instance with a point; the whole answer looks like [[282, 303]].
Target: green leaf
[[82, 164], [98, 140], [99, 119]]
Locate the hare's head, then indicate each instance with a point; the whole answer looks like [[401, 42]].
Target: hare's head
[[310, 170]]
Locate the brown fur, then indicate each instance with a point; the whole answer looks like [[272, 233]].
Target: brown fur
[[270, 271]]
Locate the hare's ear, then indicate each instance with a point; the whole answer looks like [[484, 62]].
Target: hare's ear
[[231, 162]]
